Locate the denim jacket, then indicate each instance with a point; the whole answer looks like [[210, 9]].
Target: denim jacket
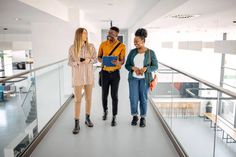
[[151, 67]]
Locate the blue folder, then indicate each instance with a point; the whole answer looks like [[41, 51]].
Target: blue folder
[[107, 61]]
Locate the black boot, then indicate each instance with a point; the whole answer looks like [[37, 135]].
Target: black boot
[[134, 121], [77, 127], [142, 122], [113, 122], [88, 121], [104, 117]]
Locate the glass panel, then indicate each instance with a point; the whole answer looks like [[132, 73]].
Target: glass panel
[[162, 95], [188, 116], [229, 80], [226, 131], [18, 114], [228, 110], [230, 77], [1, 64], [230, 60], [28, 102], [196, 114], [7, 60], [48, 94], [65, 81]]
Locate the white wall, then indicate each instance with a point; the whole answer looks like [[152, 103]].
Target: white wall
[[18, 56], [204, 64], [50, 42], [5, 45], [53, 7], [94, 33], [15, 42], [15, 37], [94, 36]]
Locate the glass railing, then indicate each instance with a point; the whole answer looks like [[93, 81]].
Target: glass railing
[[28, 101], [199, 114]]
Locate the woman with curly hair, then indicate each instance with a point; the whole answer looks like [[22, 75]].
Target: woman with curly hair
[[141, 62]]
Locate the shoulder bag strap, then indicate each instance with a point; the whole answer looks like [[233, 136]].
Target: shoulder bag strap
[[114, 49], [150, 61]]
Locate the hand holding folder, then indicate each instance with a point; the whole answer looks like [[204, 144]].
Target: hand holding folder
[[107, 61]]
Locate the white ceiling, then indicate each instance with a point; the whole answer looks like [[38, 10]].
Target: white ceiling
[[214, 14], [12, 9], [123, 13]]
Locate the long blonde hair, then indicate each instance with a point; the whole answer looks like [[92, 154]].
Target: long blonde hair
[[78, 42]]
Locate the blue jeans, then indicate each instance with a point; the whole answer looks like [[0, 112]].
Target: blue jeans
[[138, 90]]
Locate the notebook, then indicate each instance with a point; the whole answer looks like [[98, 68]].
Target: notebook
[[107, 61]]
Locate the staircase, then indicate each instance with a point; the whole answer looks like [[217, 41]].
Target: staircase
[[32, 115]]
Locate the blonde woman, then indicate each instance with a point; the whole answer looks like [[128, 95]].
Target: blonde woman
[[82, 55]]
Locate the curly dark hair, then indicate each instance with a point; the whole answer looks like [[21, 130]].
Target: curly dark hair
[[142, 33]]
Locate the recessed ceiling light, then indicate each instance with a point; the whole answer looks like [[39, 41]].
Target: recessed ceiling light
[[196, 15], [105, 20], [153, 27], [184, 16], [234, 21], [5, 29], [17, 19], [110, 4]]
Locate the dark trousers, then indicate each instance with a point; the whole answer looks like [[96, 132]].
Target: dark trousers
[[110, 79]]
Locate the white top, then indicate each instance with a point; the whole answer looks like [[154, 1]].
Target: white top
[[138, 62]]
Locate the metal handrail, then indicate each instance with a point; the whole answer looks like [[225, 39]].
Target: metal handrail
[[223, 90], [229, 85], [189, 91], [30, 71], [226, 91], [229, 68]]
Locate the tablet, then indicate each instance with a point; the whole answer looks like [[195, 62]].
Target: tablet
[[107, 61]]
